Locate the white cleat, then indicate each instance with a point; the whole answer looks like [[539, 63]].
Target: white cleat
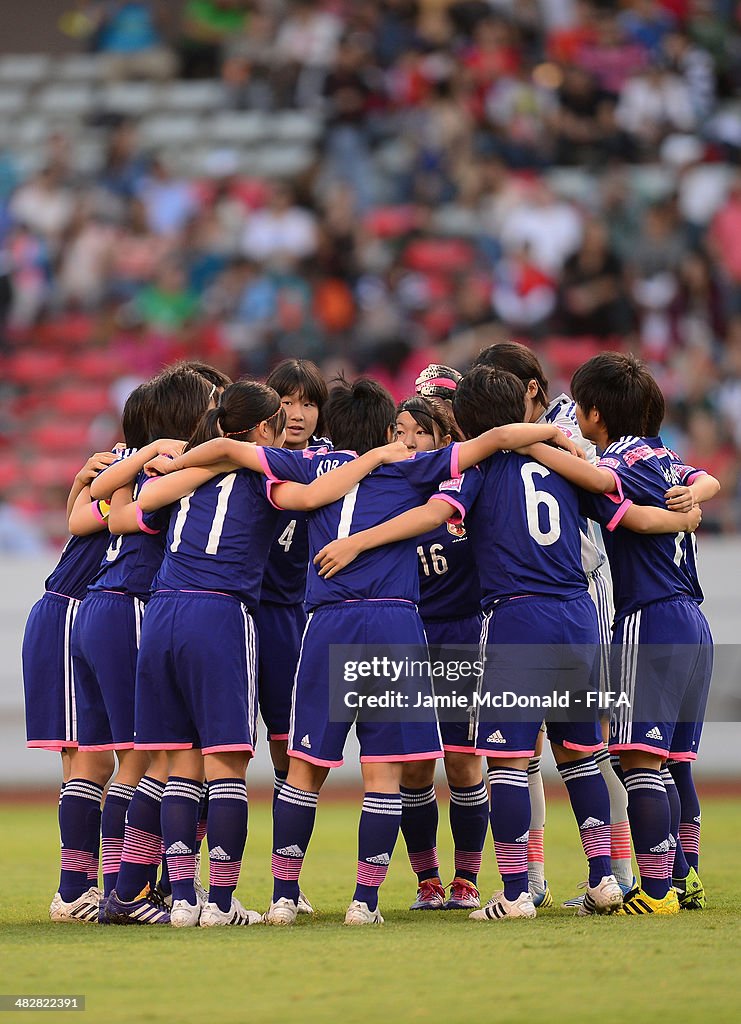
[[605, 898], [283, 912], [498, 907], [84, 908], [184, 914], [213, 917], [358, 913], [201, 892], [304, 907]]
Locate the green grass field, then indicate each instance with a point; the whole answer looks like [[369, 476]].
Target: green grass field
[[418, 967]]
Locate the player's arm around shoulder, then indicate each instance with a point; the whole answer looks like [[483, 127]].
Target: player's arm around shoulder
[[593, 478], [125, 471], [649, 519]]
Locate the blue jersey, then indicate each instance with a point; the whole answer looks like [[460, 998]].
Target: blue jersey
[[284, 581], [646, 567], [525, 531], [387, 572], [79, 561], [448, 577], [131, 561], [218, 538]]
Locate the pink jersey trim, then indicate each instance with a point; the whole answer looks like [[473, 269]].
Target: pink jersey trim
[[227, 747], [587, 748], [460, 513], [504, 753], [615, 521], [618, 497], [314, 760], [693, 476], [105, 746], [428, 755], [683, 755], [277, 736], [140, 520], [660, 751], [454, 456], [57, 745], [263, 460], [163, 746], [269, 485], [449, 748], [95, 509]]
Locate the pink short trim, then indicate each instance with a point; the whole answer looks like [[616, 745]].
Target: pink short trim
[[460, 513], [277, 735], [505, 753], [106, 746], [56, 745], [429, 755], [164, 746], [140, 521], [683, 755], [580, 746], [459, 750], [314, 760], [659, 751], [454, 457], [622, 509], [228, 747]]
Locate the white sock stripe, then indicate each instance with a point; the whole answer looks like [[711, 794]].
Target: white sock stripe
[[83, 791], [120, 790], [602, 755], [182, 793], [581, 772], [300, 794], [480, 796], [151, 788], [373, 804], [286, 798], [418, 799]]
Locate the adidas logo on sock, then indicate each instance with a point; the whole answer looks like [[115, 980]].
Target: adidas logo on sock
[[661, 848], [591, 823], [697, 819], [290, 851], [218, 854], [654, 734], [524, 838], [496, 737], [178, 848], [306, 742], [672, 842], [380, 858]]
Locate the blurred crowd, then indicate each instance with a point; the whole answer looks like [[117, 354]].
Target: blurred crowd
[[561, 172]]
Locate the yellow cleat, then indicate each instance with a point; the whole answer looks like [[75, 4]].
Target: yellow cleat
[[690, 891], [638, 902]]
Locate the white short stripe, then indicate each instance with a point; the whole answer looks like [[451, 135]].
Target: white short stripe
[[292, 720]]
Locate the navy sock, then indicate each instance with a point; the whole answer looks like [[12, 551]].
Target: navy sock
[[142, 845], [419, 820], [469, 819], [650, 821], [180, 805], [678, 866], [510, 823], [112, 826], [79, 829], [202, 816], [690, 818], [227, 834], [590, 802], [377, 833], [279, 777], [294, 814]]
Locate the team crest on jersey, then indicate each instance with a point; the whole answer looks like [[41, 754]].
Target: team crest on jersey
[[451, 485], [457, 529], [612, 463]]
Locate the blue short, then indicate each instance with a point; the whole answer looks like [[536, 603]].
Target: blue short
[[454, 633], [555, 638], [48, 675], [663, 661], [280, 628], [197, 672], [313, 736], [105, 643]]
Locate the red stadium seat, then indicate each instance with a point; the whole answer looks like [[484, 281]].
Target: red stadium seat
[[443, 255], [391, 221], [58, 436], [97, 366], [81, 401], [36, 368]]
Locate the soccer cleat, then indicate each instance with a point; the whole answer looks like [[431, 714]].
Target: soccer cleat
[[303, 905], [690, 891], [102, 904], [282, 912], [359, 913], [430, 895], [638, 902], [84, 908], [605, 898], [577, 901], [541, 898], [498, 907], [463, 896], [184, 914], [162, 897], [147, 908], [213, 917]]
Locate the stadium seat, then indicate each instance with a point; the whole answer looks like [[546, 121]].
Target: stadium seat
[[81, 401], [34, 369], [45, 471], [439, 254], [79, 67], [12, 100], [238, 127], [97, 365], [75, 99], [24, 67], [58, 436], [206, 95], [283, 161], [391, 221], [169, 129], [295, 126], [134, 98]]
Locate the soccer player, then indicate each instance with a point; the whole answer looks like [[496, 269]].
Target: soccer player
[[534, 591], [524, 364], [450, 608], [657, 598], [105, 642], [196, 674]]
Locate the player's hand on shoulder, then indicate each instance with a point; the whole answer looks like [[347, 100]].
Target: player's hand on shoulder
[[168, 446], [160, 465], [397, 451], [335, 556], [96, 464], [560, 440], [679, 499]]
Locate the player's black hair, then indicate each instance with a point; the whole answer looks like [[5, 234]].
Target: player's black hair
[[136, 416], [304, 377], [213, 376], [622, 391], [430, 413], [358, 416], [179, 399], [242, 407], [517, 359], [487, 398]]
